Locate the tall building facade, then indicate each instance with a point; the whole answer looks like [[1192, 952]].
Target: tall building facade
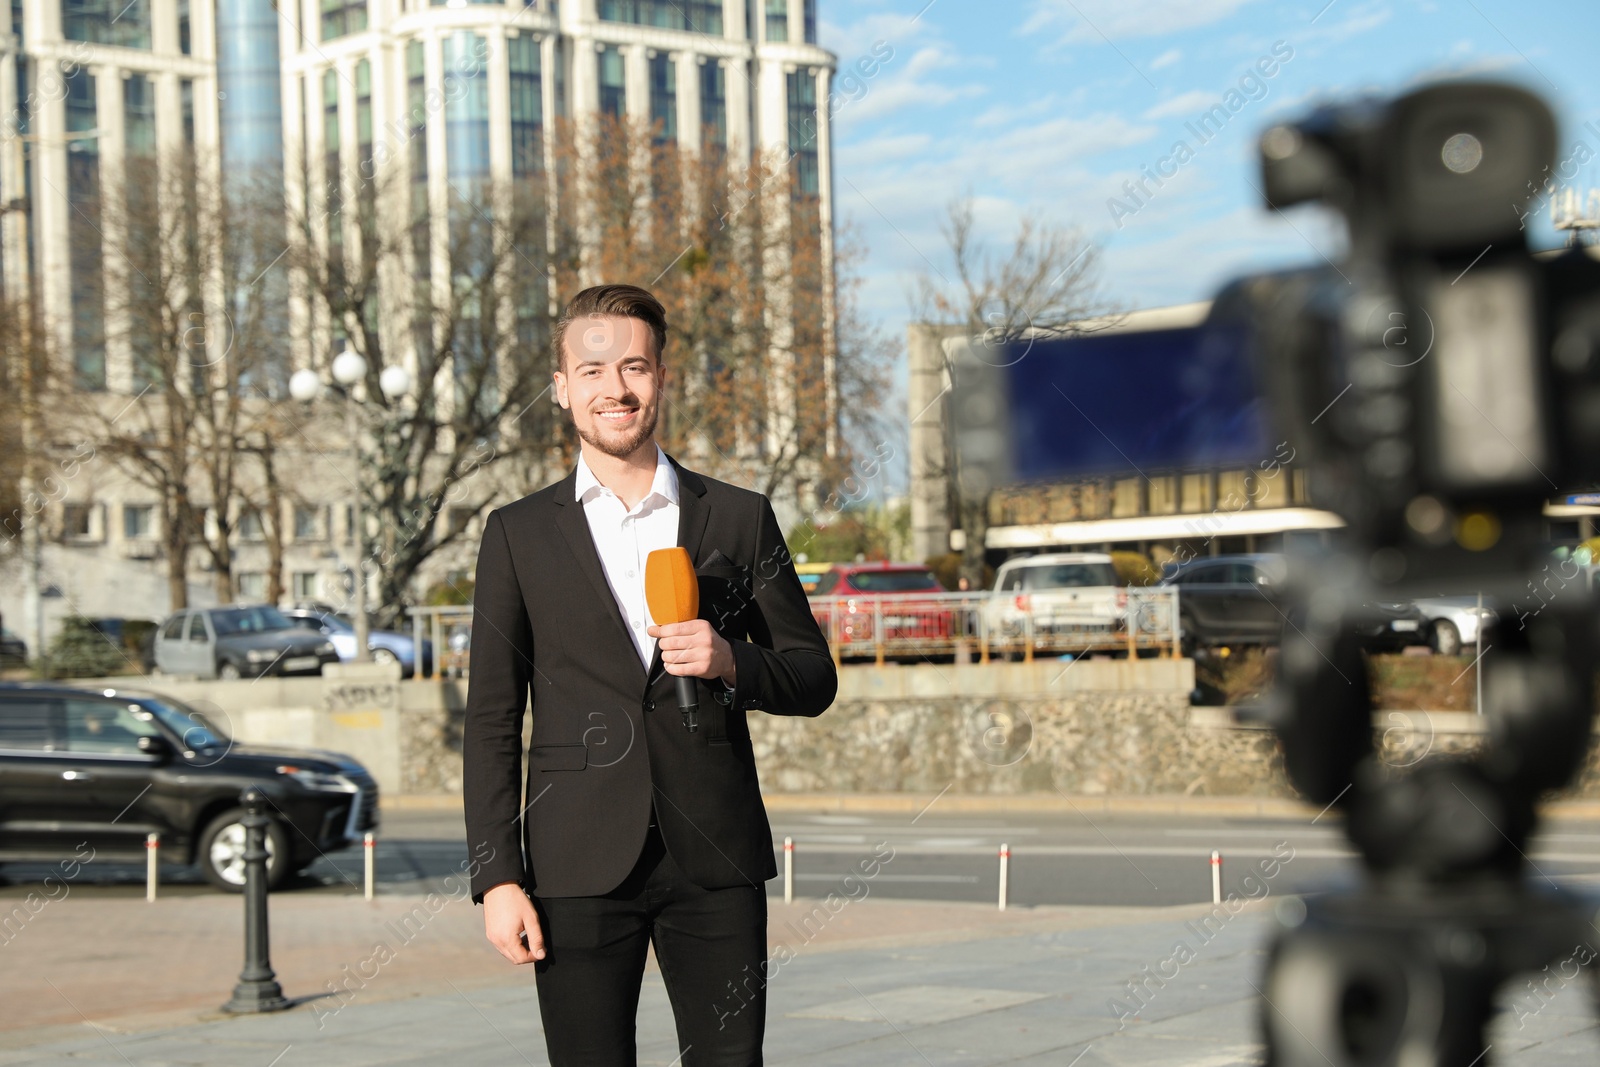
[[325, 91], [317, 95]]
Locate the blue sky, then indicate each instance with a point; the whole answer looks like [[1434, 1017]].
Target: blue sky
[[1049, 106]]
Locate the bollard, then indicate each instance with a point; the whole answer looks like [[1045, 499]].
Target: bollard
[[788, 870], [1216, 877], [368, 844], [258, 988], [152, 865], [1005, 873]]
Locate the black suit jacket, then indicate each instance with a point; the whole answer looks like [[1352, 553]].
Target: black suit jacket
[[608, 739]]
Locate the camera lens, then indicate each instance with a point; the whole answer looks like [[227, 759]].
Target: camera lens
[[1462, 153]]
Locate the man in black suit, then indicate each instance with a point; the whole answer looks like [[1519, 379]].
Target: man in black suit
[[635, 829]]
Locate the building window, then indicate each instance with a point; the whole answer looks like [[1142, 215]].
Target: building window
[[138, 521], [250, 586], [613, 83], [714, 102], [696, 16], [527, 106], [417, 147], [107, 22], [250, 525], [810, 7], [803, 131], [330, 160], [78, 522], [466, 117], [305, 585], [143, 232], [185, 43], [186, 95], [85, 234], [777, 20], [307, 526], [365, 173], [663, 98], [340, 17]]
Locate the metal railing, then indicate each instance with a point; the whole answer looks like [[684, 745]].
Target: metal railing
[[978, 627], [990, 625], [450, 629]]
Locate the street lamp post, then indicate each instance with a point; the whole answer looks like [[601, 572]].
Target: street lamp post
[[348, 369]]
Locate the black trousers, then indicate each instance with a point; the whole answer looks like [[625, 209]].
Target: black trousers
[[711, 945]]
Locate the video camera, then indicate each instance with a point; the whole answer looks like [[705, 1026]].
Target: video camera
[[1439, 384]]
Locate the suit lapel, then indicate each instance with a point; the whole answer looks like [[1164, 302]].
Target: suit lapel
[[574, 527]]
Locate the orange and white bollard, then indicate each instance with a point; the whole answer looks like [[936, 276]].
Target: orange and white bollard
[[1216, 877], [788, 870], [152, 865], [369, 844], [1005, 874]]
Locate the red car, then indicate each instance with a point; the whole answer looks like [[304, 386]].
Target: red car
[[904, 595]]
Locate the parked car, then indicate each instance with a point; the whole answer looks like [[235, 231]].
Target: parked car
[[905, 595], [1239, 600], [1230, 600], [1064, 592], [13, 650], [1453, 621], [92, 772], [239, 642], [810, 574], [384, 646]]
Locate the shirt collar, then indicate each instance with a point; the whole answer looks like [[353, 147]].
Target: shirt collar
[[664, 485]]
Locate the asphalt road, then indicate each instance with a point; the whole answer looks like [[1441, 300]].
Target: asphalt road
[[1055, 859]]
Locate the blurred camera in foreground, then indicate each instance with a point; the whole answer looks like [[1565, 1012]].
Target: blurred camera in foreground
[[1439, 384]]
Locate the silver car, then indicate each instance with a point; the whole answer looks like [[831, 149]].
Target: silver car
[[1454, 621]]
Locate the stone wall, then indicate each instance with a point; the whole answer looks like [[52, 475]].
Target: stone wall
[[1091, 728]]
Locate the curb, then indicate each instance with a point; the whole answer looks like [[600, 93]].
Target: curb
[[1023, 804]]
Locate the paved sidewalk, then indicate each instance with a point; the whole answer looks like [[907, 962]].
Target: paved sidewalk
[[875, 982]]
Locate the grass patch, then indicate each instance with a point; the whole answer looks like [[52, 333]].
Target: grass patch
[[1401, 683]]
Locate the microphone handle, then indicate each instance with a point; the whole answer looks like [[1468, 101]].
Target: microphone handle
[[687, 703]]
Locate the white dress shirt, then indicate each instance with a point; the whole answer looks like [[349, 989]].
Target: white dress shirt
[[624, 539]]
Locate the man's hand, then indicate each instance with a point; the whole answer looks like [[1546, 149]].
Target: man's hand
[[511, 924], [694, 649]]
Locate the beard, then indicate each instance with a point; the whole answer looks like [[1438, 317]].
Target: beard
[[625, 442]]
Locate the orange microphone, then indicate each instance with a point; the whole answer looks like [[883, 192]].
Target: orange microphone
[[673, 594]]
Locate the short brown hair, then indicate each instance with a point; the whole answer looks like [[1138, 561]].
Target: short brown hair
[[624, 301]]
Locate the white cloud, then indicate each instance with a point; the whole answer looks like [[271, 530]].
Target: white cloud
[[1183, 104], [873, 151], [1097, 20], [1166, 59], [903, 83]]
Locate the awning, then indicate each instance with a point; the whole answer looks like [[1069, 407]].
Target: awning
[[1156, 528]]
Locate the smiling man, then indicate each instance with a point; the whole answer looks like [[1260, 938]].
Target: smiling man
[[629, 830]]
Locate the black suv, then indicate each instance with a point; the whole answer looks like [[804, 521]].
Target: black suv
[[84, 770]]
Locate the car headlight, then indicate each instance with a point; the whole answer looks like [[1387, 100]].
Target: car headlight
[[326, 646], [318, 780], [261, 655]]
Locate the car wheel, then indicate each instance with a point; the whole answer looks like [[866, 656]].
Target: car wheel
[[383, 655], [1445, 638], [229, 671], [221, 853]]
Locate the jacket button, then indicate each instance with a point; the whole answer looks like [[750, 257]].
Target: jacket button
[[649, 705]]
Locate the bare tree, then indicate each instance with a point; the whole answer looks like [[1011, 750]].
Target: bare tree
[[474, 341], [1044, 285], [772, 365]]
